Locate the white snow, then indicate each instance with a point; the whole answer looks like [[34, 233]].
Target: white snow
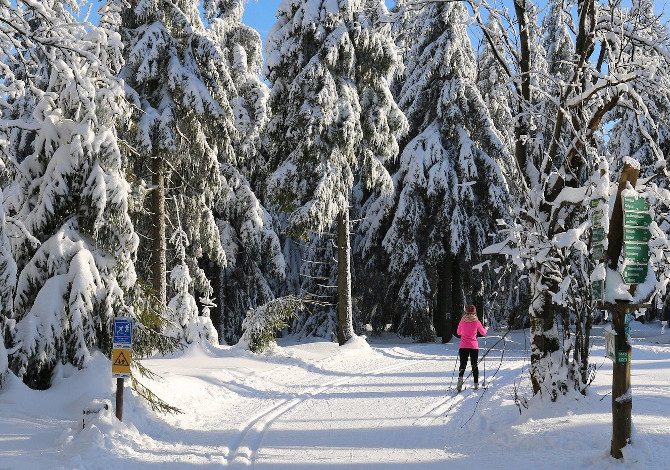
[[385, 405]]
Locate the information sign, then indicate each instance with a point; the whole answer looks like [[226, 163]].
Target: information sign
[[622, 357], [123, 332], [636, 234], [636, 219], [635, 203], [638, 252], [121, 363], [598, 234], [598, 251], [634, 273]]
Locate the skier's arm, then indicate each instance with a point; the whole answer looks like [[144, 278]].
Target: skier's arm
[[481, 329]]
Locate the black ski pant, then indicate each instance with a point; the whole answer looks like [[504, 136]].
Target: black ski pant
[[473, 354]]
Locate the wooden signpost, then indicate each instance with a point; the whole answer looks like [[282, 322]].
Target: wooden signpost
[[628, 232], [122, 340]]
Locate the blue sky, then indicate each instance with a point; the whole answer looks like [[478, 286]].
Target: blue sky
[[260, 14]]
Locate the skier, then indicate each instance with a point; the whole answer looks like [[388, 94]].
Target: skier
[[468, 328]]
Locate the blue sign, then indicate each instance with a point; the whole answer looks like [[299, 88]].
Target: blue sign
[[123, 332]]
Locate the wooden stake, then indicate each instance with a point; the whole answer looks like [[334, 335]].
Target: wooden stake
[[119, 399]]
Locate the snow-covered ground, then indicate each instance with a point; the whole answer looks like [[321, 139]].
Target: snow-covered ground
[[383, 406]]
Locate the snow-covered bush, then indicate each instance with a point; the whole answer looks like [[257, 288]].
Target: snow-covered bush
[[262, 323]]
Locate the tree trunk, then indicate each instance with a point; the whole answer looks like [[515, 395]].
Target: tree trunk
[[345, 329], [158, 261], [442, 315], [543, 332], [216, 312], [457, 304]]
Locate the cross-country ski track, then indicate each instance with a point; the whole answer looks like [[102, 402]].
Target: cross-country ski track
[[375, 405]]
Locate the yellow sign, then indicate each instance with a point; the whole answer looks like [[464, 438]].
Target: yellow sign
[[121, 363]]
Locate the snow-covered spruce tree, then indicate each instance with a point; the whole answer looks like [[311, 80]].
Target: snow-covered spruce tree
[[7, 286], [255, 265], [67, 204], [333, 119], [493, 84], [255, 258], [450, 182], [175, 74], [182, 310]]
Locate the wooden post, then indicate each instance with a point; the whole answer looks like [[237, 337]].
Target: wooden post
[[622, 397], [119, 399]]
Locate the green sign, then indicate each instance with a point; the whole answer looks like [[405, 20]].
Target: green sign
[[638, 252], [634, 273], [622, 357], [597, 288], [597, 202], [598, 251], [636, 219], [598, 234], [597, 216], [636, 234], [635, 203]]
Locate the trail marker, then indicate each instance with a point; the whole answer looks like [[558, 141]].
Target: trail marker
[[634, 273], [635, 203], [121, 363], [122, 345], [638, 252], [123, 332]]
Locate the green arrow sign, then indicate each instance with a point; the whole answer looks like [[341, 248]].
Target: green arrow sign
[[636, 252], [634, 273], [636, 234], [635, 203], [598, 234], [636, 219], [598, 251]]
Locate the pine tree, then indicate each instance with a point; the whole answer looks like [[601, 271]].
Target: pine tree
[[255, 264], [333, 119], [255, 258], [73, 241], [450, 181], [7, 286], [493, 85], [182, 310], [175, 74]]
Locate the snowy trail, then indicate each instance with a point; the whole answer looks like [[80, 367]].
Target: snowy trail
[[316, 405]]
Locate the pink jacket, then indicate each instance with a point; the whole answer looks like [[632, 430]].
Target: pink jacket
[[467, 330]]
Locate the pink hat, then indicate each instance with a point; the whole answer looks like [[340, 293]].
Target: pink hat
[[470, 309]]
